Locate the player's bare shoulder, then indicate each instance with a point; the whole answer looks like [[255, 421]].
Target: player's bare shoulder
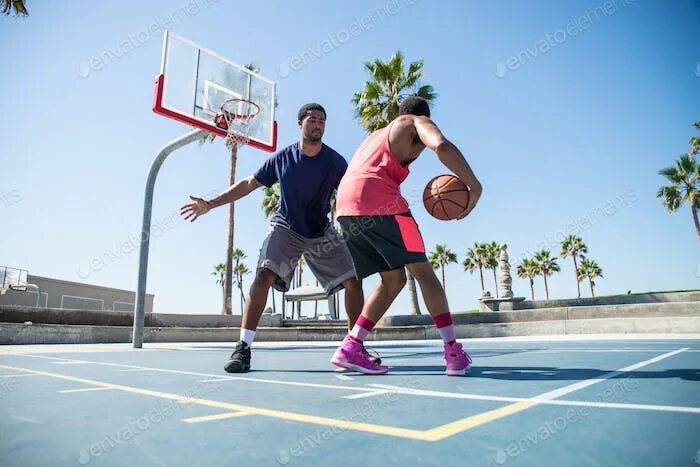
[[404, 125], [403, 137]]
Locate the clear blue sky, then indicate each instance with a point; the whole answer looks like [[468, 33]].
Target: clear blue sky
[[567, 138]]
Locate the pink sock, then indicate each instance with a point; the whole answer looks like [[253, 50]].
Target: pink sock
[[362, 328], [444, 325]]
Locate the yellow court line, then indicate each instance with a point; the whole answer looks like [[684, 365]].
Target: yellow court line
[[296, 417], [236, 410], [450, 429], [434, 434], [219, 416]]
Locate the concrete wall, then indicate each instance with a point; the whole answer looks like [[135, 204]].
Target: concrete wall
[[19, 333], [66, 326], [57, 293], [548, 314], [654, 297], [21, 314]]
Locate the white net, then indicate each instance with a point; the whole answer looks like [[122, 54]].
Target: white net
[[238, 115]]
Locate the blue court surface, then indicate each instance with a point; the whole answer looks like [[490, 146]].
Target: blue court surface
[[614, 401]]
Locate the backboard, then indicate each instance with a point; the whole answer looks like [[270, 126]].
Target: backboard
[[194, 82], [12, 279]]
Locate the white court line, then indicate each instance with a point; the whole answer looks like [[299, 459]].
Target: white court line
[[220, 378], [132, 369], [551, 397], [615, 405], [449, 395], [67, 391], [221, 416], [546, 398], [343, 377], [24, 419], [589, 382], [367, 394], [608, 405], [17, 376], [213, 380], [72, 362], [595, 350], [237, 378]]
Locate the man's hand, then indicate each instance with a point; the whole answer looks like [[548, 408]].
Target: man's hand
[[474, 195], [193, 210]]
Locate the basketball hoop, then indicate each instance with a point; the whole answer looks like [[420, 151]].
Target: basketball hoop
[[235, 117]]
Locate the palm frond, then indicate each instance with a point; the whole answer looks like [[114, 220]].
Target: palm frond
[[378, 101], [671, 198], [427, 92], [16, 6]]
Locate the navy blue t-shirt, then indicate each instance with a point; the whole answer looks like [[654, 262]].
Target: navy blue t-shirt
[[306, 187]]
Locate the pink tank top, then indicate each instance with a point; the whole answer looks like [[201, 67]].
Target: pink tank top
[[371, 184]]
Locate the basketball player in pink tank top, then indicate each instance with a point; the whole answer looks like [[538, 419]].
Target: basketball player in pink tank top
[[383, 236]]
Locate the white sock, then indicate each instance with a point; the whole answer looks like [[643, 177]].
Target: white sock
[[247, 336], [448, 333]]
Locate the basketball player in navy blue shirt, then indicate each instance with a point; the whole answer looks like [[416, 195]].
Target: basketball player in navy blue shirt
[[307, 184], [308, 173]]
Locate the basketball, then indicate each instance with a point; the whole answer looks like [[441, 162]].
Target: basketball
[[446, 197]]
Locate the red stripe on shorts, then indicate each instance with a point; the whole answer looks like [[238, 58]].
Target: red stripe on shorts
[[412, 239]]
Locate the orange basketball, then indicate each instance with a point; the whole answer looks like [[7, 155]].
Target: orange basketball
[[446, 197]]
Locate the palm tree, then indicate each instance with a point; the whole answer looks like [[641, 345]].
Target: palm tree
[[270, 204], [684, 176], [16, 6], [529, 269], [240, 270], [271, 200], [441, 257], [491, 251], [573, 246], [378, 103], [220, 273], [476, 260], [209, 137], [547, 267], [695, 141], [238, 255], [589, 269]]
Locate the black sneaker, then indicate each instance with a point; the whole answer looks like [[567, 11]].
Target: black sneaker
[[239, 361]]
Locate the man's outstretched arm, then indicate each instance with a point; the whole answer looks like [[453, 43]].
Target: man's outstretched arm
[[200, 206]]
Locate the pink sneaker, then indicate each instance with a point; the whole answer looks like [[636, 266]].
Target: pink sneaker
[[373, 355], [351, 356], [457, 360]]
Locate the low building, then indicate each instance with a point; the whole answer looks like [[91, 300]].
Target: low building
[[57, 293]]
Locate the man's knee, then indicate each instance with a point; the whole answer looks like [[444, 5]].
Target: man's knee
[[394, 280], [423, 272], [264, 278], [352, 285]]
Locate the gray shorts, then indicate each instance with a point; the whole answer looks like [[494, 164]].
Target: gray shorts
[[328, 257]]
